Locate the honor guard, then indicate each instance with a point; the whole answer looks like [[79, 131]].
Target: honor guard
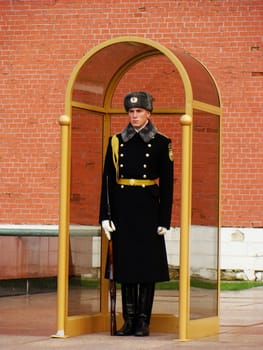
[[137, 183]]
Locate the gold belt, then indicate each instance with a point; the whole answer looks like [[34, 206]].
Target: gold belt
[[135, 182]]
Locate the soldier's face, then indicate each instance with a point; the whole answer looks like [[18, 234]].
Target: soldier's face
[[138, 117]]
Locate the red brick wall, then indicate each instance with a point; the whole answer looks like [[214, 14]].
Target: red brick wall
[[42, 40], [86, 167]]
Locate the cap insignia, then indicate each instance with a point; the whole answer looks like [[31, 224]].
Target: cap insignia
[[134, 99]]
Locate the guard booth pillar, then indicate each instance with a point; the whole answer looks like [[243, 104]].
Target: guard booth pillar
[[187, 106]]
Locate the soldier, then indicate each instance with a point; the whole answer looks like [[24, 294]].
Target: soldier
[[138, 172]]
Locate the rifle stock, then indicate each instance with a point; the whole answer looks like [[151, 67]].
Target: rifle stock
[[112, 284], [112, 291]]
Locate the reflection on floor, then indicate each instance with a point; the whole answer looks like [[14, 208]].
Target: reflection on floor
[[36, 314]]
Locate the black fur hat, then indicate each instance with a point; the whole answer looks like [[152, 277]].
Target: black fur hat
[[138, 99]]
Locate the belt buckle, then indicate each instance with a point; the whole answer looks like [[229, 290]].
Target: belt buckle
[[132, 182]]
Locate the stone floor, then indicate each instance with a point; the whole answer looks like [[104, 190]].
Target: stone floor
[[26, 322]]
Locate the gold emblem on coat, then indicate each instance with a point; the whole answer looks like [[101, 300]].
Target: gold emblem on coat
[[170, 152]]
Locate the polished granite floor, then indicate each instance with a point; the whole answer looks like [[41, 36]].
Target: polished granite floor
[[26, 322]]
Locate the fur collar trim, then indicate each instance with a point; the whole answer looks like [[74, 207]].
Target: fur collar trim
[[147, 133]]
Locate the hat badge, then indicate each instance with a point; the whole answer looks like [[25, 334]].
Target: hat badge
[[134, 99]]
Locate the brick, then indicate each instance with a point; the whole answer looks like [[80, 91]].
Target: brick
[[41, 42]]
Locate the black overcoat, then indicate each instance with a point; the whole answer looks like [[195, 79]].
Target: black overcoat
[[137, 211]]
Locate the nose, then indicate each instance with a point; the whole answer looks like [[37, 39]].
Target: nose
[[134, 114]]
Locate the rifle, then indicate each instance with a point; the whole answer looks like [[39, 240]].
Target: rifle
[[112, 284]]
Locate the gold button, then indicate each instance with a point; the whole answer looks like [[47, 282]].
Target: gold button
[[132, 182], [144, 176], [147, 155]]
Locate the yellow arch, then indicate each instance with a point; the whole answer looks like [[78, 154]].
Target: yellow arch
[[186, 122]]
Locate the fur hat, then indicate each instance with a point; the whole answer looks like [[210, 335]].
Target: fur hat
[[138, 99]]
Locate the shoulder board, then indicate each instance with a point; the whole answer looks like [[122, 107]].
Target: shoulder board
[[163, 135]]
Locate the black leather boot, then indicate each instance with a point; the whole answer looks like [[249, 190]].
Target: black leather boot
[[146, 295], [129, 305]]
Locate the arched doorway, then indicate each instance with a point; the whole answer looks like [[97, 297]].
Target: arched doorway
[[188, 102]]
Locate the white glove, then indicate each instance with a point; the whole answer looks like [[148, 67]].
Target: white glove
[[108, 227], [161, 230]]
